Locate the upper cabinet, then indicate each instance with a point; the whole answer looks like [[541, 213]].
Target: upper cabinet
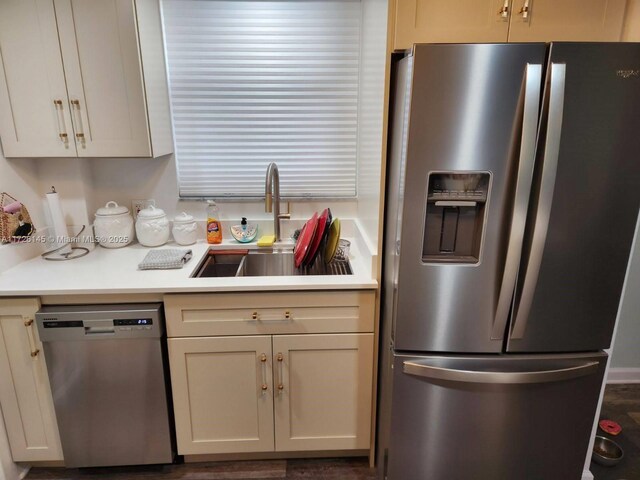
[[568, 20], [444, 21], [83, 78], [479, 21]]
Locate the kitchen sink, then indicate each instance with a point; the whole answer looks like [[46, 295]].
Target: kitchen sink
[[220, 265], [264, 263]]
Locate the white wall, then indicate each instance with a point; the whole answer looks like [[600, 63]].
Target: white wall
[[626, 350], [371, 115], [19, 178]]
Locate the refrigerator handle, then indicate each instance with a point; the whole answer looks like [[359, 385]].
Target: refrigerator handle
[[547, 185], [479, 376], [532, 86]]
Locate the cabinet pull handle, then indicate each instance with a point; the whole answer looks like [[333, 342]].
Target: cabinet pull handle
[[263, 365], [78, 116], [280, 359], [62, 129], [504, 11], [28, 323], [524, 11]]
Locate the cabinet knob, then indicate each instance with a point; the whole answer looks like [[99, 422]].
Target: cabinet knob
[[504, 11], [254, 315], [35, 352], [264, 387], [263, 357]]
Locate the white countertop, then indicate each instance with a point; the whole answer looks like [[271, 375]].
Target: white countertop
[[115, 271]]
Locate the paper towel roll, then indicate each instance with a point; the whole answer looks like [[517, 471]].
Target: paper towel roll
[[59, 225]]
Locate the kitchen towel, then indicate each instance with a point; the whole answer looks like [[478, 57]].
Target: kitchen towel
[[165, 259]]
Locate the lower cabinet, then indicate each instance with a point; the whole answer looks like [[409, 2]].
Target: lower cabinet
[[272, 393], [25, 393], [322, 391], [222, 394], [271, 371]]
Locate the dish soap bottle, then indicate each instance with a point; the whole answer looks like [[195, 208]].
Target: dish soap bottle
[[214, 229]]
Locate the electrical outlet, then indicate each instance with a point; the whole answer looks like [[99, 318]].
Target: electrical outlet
[[137, 205]]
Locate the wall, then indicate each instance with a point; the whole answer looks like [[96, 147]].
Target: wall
[[371, 115], [19, 178], [626, 354]]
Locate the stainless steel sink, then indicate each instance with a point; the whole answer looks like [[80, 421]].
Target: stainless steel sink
[[267, 264], [264, 263], [277, 263]]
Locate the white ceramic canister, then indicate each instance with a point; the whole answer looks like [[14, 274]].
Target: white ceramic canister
[[113, 226], [185, 229], [152, 227]]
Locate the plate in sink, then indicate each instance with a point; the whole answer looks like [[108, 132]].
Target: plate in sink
[[301, 250]]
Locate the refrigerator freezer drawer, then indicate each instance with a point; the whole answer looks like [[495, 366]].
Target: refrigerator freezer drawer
[[492, 417]]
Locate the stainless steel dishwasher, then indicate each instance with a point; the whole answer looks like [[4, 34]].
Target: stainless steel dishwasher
[[107, 367]]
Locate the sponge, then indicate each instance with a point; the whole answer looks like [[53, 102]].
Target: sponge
[[266, 240]]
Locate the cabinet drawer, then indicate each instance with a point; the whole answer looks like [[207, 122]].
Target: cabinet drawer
[[269, 313]]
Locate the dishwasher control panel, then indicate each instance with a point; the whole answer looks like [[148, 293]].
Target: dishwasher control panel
[[59, 323]]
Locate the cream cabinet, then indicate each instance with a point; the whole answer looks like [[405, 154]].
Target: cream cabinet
[[25, 394], [259, 372], [83, 78], [222, 394], [479, 21], [322, 391]]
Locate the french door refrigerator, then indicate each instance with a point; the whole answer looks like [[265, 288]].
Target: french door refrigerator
[[512, 200]]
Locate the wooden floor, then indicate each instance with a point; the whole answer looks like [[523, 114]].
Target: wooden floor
[[622, 404], [309, 469]]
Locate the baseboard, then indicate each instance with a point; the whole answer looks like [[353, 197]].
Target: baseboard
[[587, 475], [623, 375]]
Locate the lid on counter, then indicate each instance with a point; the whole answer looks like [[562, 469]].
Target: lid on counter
[[184, 217], [151, 212], [111, 208]]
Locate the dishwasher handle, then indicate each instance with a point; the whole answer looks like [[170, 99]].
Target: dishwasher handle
[[100, 330]]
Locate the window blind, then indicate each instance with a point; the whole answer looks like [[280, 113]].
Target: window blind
[[254, 82]]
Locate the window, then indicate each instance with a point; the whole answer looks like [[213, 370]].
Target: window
[[254, 82]]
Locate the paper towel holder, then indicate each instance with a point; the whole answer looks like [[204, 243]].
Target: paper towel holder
[[70, 252]]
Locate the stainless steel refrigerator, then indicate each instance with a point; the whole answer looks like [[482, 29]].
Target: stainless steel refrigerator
[[511, 205]]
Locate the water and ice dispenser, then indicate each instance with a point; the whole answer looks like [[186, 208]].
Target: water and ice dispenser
[[455, 217]]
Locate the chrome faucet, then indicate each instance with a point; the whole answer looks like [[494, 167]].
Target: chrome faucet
[[272, 198]]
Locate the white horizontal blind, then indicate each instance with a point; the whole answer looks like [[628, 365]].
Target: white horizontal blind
[[254, 82]]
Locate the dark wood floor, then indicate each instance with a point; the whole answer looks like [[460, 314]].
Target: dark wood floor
[[622, 404], [309, 469]]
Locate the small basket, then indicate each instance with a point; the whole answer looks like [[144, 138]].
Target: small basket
[[9, 222]]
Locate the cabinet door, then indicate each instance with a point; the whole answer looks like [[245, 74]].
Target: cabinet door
[[569, 20], [222, 394], [34, 111], [444, 21], [103, 67], [322, 391], [25, 394]]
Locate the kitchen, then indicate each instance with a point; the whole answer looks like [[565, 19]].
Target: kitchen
[[296, 321]]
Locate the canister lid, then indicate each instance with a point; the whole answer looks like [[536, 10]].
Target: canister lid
[[151, 212], [111, 208], [184, 217]]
